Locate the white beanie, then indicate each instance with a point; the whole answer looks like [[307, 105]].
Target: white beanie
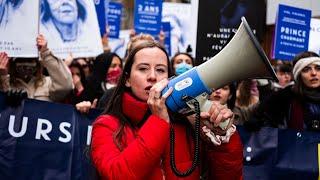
[[302, 63]]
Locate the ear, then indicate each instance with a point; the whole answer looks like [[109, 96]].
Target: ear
[[230, 96], [128, 84]]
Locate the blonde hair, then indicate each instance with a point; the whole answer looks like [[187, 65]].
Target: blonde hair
[[138, 39]]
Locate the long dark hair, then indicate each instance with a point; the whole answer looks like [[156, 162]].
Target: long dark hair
[[77, 65], [98, 75], [233, 93], [114, 106]]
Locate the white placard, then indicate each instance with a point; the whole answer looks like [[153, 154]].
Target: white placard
[[314, 37], [19, 27], [71, 27]]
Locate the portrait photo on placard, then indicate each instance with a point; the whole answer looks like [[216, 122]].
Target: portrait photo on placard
[[68, 24]]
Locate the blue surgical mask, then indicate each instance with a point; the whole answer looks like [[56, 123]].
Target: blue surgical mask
[[182, 67]]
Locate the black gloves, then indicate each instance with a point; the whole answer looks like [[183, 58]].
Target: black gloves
[[15, 97]]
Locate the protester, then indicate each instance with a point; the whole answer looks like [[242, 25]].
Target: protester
[[103, 101], [227, 96], [26, 74], [79, 82], [285, 77], [181, 62], [135, 40], [131, 139], [247, 93], [86, 64], [296, 106]]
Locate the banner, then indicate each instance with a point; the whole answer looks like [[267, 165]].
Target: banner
[[272, 7], [19, 28], [106, 7], [280, 154], [166, 28], [42, 140], [100, 9], [119, 46], [314, 43], [179, 16], [291, 32], [147, 16], [71, 27], [114, 19], [218, 19]]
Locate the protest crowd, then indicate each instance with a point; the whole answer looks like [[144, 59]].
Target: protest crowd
[[131, 138]]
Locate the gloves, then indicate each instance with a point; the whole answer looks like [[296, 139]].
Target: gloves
[[15, 97]]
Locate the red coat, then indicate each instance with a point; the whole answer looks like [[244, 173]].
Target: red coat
[[146, 155]]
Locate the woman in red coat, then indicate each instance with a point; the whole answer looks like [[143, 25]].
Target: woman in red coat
[[131, 139]]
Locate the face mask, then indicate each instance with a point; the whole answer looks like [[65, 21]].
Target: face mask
[[113, 76], [182, 67], [26, 70]]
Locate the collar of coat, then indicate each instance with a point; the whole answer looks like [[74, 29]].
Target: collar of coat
[[134, 109]]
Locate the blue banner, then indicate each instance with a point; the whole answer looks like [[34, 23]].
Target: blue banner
[[99, 4], [292, 32], [41, 140], [106, 7], [166, 28], [114, 19], [147, 16], [280, 154]]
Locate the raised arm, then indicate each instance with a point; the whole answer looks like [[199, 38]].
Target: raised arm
[[61, 79], [4, 76]]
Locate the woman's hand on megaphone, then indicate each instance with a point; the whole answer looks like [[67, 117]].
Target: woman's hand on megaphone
[[219, 114], [157, 102], [216, 116]]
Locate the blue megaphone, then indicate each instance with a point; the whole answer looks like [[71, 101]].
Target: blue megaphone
[[240, 59]]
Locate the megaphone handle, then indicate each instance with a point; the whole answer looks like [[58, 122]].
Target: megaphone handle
[[205, 105]]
